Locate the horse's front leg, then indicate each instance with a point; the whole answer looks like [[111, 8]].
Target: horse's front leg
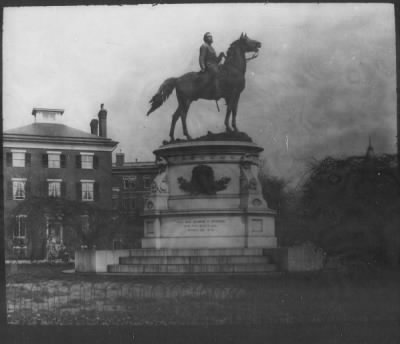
[[228, 113], [234, 112], [185, 131]]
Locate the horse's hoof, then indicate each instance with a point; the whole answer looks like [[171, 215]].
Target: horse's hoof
[[228, 130]]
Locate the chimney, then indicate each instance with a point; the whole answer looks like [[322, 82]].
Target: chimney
[[102, 121], [94, 126], [120, 159]]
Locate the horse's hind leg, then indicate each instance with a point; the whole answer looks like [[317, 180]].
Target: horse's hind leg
[[185, 109], [175, 117]]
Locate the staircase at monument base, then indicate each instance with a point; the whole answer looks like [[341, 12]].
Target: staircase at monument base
[[196, 261]]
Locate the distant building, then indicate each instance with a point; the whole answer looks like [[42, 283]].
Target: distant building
[[131, 183], [48, 159]]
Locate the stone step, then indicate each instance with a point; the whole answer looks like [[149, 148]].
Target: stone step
[[150, 252], [192, 268], [195, 260]]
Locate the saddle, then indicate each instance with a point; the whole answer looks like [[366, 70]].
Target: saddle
[[206, 81], [206, 76]]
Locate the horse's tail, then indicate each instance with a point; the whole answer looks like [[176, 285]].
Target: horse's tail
[[162, 94]]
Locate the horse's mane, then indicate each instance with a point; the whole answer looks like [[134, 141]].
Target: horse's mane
[[230, 52]]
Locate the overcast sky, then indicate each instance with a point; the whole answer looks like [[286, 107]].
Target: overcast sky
[[323, 82]]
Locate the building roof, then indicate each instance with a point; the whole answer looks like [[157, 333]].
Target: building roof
[[137, 164], [49, 129], [135, 167], [39, 132]]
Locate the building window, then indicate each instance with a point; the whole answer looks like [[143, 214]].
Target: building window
[[87, 161], [54, 187], [54, 159], [115, 197], [129, 183], [126, 204], [20, 228], [87, 191], [19, 237], [51, 117], [147, 182], [117, 244], [133, 203], [114, 202], [19, 189], [54, 231], [129, 204], [18, 158], [85, 224]]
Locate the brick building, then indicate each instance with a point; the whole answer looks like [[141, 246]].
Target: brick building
[[131, 183], [49, 160]]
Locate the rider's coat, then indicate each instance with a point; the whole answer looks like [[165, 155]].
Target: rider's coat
[[208, 58]]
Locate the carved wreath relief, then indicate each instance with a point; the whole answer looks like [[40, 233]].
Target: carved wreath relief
[[203, 181]]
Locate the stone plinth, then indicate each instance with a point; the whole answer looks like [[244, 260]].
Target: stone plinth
[[207, 195]]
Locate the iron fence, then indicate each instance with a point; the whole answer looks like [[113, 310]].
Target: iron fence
[[110, 303]]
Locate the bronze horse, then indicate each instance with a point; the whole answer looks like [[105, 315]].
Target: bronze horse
[[192, 86]]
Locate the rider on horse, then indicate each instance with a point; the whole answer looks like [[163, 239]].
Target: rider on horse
[[209, 61], [189, 87]]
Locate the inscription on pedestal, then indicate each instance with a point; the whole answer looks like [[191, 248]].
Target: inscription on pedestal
[[203, 226]]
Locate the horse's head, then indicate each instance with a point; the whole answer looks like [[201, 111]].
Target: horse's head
[[248, 44]]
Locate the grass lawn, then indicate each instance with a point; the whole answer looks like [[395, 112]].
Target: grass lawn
[[357, 305]]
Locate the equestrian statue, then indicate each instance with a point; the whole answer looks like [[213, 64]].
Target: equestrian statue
[[213, 82]]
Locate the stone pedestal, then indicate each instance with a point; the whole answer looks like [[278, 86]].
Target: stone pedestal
[[207, 195]]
